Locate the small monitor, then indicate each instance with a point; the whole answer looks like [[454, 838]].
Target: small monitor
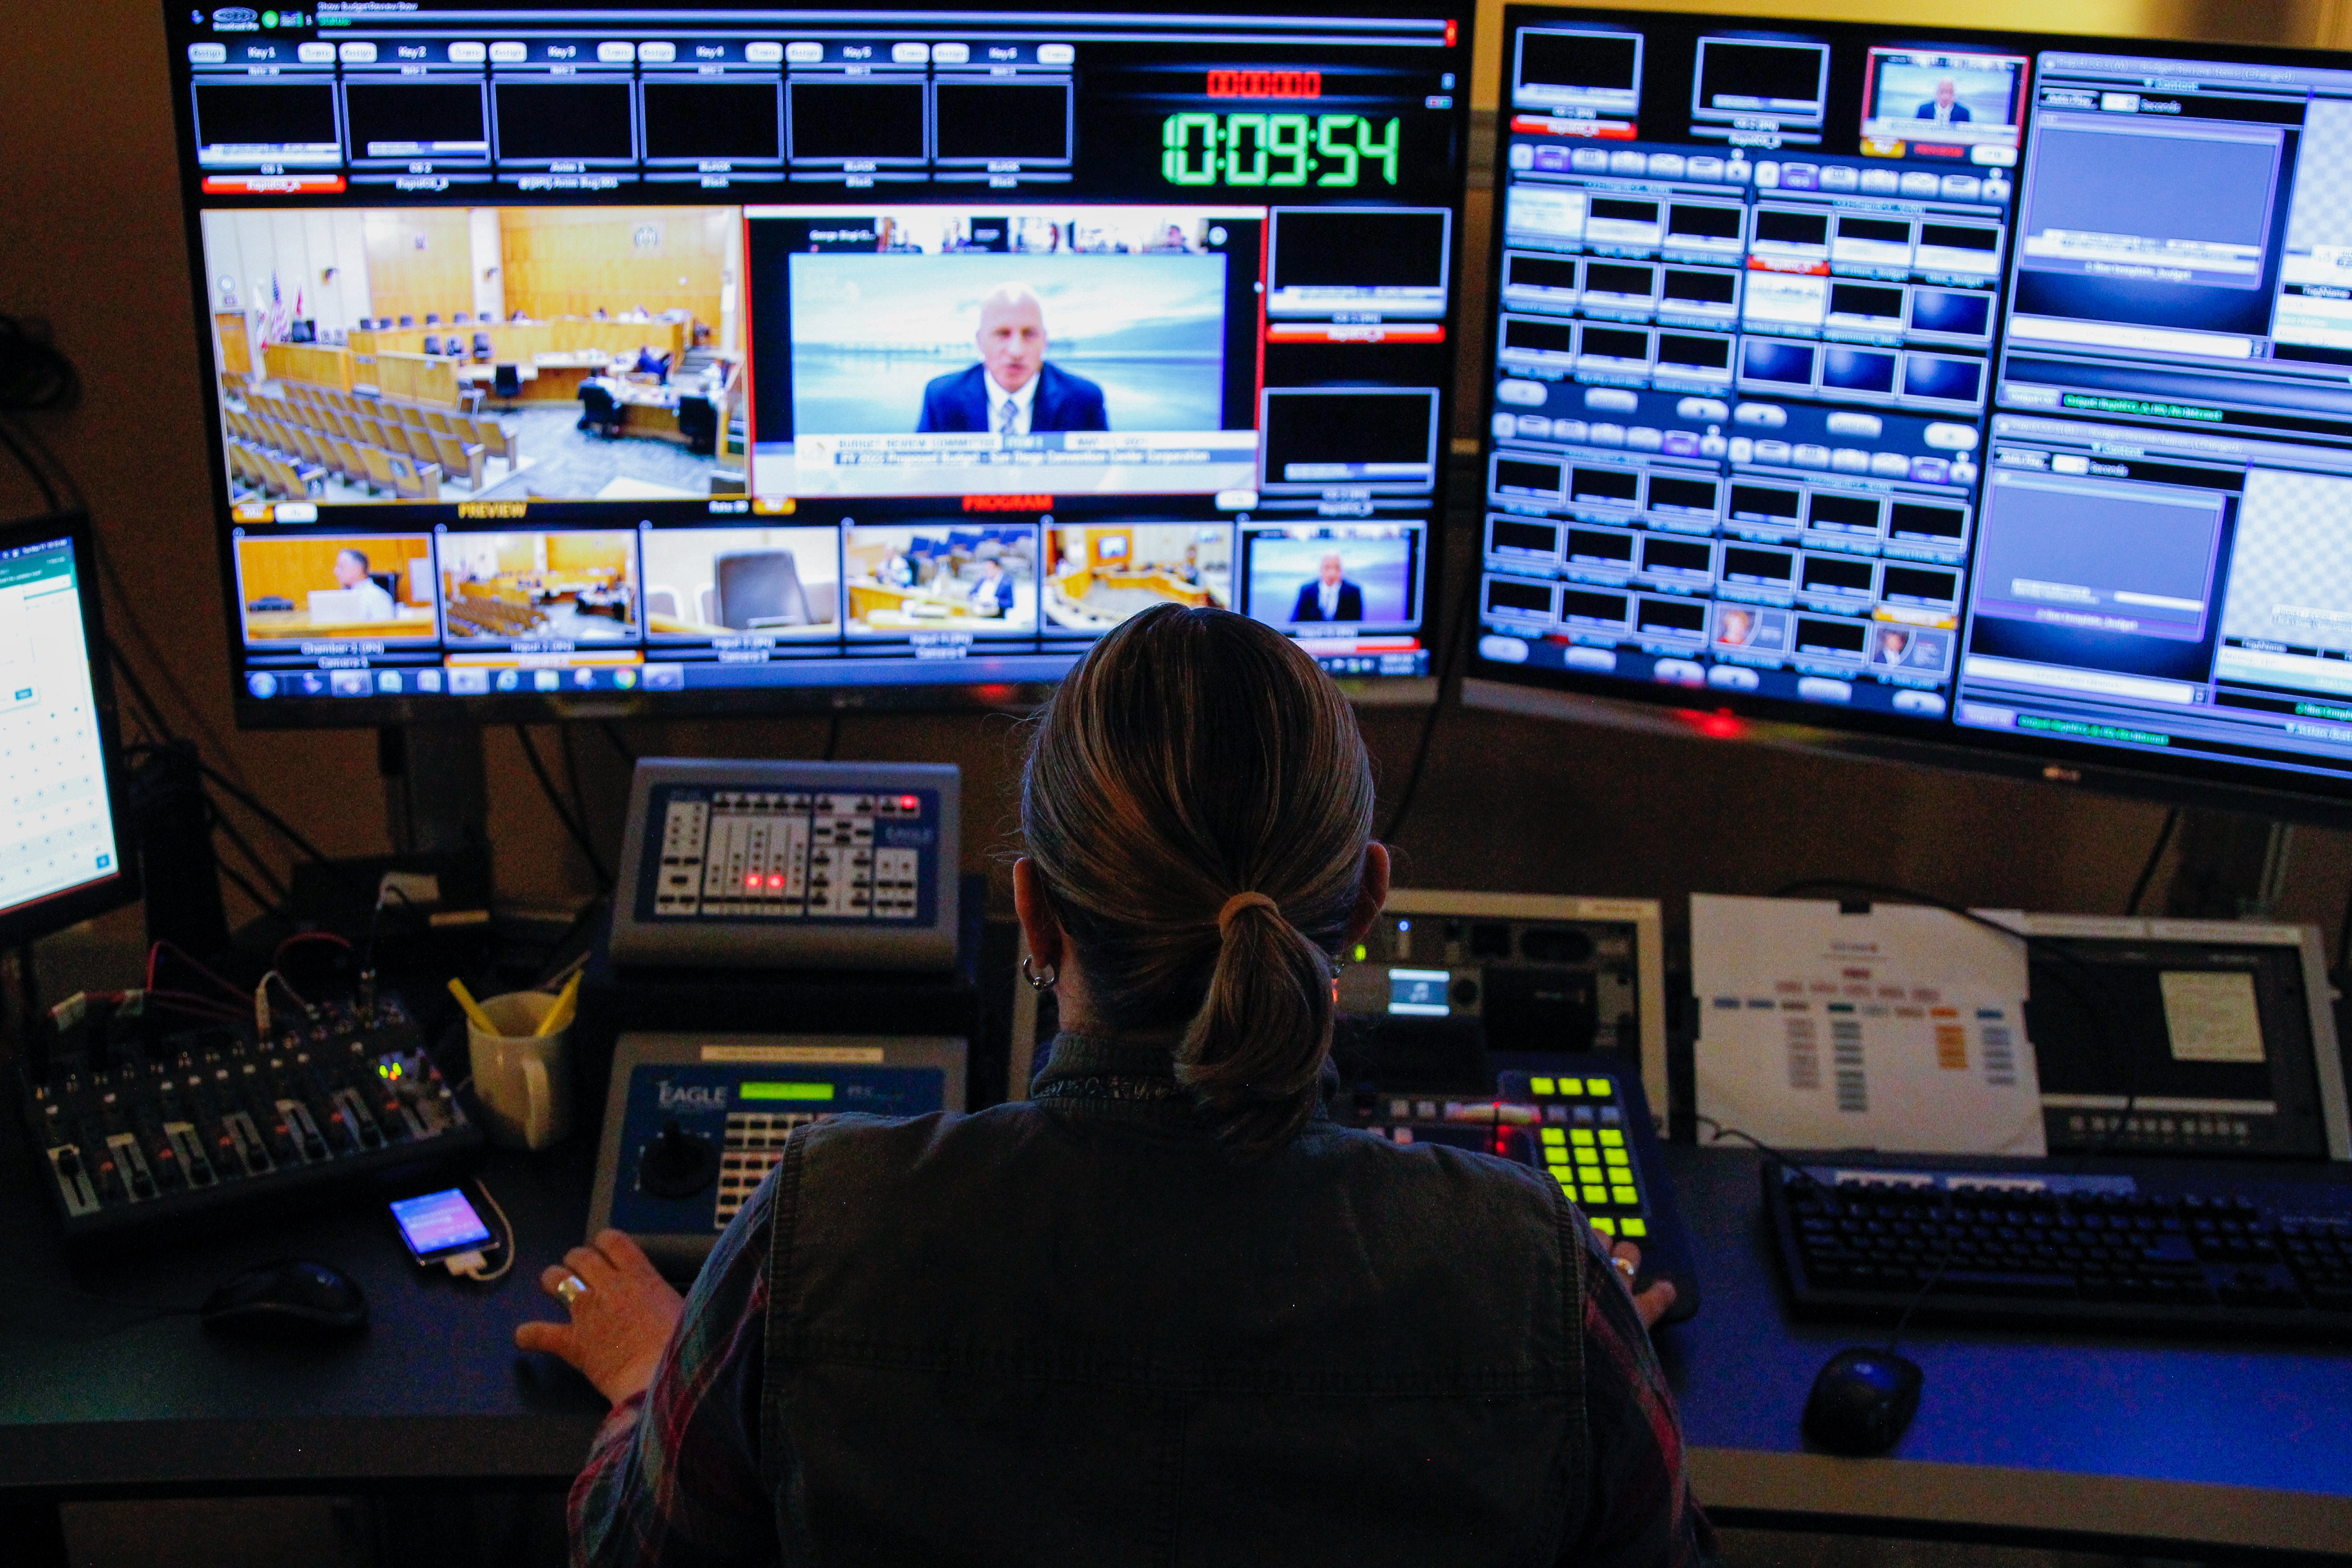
[[2189, 1037], [1946, 102], [1380, 438], [1577, 69], [1780, 81], [62, 855]]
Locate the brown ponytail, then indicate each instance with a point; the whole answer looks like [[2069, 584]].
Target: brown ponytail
[[1195, 755]]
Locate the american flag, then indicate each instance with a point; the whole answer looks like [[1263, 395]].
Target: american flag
[[278, 317]]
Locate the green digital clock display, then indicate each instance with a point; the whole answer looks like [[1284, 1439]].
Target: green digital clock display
[[1336, 151]]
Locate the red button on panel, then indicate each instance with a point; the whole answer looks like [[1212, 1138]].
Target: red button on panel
[[1351, 332], [273, 184]]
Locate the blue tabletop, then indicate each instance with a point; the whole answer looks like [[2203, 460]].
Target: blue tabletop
[[2076, 1407], [92, 1397], [2041, 1434]]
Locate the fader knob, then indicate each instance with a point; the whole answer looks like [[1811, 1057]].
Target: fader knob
[[676, 1164]]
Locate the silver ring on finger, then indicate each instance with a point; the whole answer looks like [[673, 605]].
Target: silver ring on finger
[[570, 1288], [1622, 1265]]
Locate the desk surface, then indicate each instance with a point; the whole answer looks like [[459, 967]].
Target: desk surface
[[2113, 1436], [2097, 1439], [433, 1388]]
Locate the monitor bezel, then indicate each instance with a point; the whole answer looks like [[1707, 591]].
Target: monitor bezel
[[1712, 713], [972, 692], [55, 913]]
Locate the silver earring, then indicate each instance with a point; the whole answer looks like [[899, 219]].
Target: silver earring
[[1038, 982]]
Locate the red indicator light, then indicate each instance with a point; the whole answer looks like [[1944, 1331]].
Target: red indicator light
[[1388, 332], [753, 881], [909, 803], [1266, 84], [1722, 725], [1451, 32], [775, 881], [273, 184]]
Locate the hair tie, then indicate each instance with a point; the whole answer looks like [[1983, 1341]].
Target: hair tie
[[1235, 905]]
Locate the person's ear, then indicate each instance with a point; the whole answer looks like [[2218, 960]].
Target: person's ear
[[1371, 893], [1039, 926]]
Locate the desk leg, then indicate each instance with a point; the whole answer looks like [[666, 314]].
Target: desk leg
[[36, 1533]]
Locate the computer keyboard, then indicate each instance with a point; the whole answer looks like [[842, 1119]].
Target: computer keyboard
[[2249, 1257]]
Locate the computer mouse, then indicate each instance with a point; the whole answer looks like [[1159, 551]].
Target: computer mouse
[[1862, 1401], [291, 1294]]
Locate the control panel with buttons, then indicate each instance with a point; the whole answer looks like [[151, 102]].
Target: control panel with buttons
[[1580, 1120], [693, 1123], [786, 864]]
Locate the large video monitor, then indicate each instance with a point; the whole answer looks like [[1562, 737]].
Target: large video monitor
[[62, 852], [571, 359], [1975, 398]]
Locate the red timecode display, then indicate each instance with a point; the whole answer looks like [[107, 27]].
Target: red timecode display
[[1266, 84]]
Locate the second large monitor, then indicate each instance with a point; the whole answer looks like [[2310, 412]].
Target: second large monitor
[[1979, 395], [774, 352]]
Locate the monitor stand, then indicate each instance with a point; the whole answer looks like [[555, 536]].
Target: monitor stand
[[2232, 866], [435, 791]]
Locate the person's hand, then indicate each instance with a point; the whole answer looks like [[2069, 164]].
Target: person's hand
[[620, 1324], [1650, 1304]]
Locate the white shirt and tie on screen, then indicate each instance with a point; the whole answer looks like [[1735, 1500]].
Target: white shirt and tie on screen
[[1013, 407]]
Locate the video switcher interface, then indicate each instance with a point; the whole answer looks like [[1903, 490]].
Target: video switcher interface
[[2002, 384]]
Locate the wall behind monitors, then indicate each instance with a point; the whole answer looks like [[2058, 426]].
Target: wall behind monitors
[[1985, 394], [765, 358]]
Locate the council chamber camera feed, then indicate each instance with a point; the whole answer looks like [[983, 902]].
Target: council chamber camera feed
[[751, 356], [1968, 387]]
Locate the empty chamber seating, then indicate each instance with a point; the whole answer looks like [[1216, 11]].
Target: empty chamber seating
[[323, 432]]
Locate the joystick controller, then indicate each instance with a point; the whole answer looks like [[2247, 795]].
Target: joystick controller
[[676, 1164]]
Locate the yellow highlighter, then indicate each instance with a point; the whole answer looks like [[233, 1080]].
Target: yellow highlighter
[[567, 1002], [474, 1014]]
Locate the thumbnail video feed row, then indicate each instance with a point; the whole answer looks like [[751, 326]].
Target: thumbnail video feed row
[[812, 590], [1737, 89], [562, 354]]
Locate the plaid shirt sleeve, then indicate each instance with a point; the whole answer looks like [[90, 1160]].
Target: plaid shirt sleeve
[[1642, 1513], [673, 1478]]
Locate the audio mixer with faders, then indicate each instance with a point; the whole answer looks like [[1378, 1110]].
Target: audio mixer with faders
[[136, 1132]]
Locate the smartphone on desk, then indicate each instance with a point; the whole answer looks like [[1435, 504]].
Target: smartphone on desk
[[441, 1225]]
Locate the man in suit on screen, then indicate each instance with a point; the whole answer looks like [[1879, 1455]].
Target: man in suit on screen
[[1012, 391], [1331, 597], [1945, 108]]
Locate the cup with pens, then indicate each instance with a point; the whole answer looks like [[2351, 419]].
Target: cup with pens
[[519, 1046]]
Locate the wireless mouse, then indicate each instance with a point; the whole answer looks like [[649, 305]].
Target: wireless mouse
[[1862, 1401], [291, 1294]]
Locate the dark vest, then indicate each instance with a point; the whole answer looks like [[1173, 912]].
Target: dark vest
[[1082, 1330]]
